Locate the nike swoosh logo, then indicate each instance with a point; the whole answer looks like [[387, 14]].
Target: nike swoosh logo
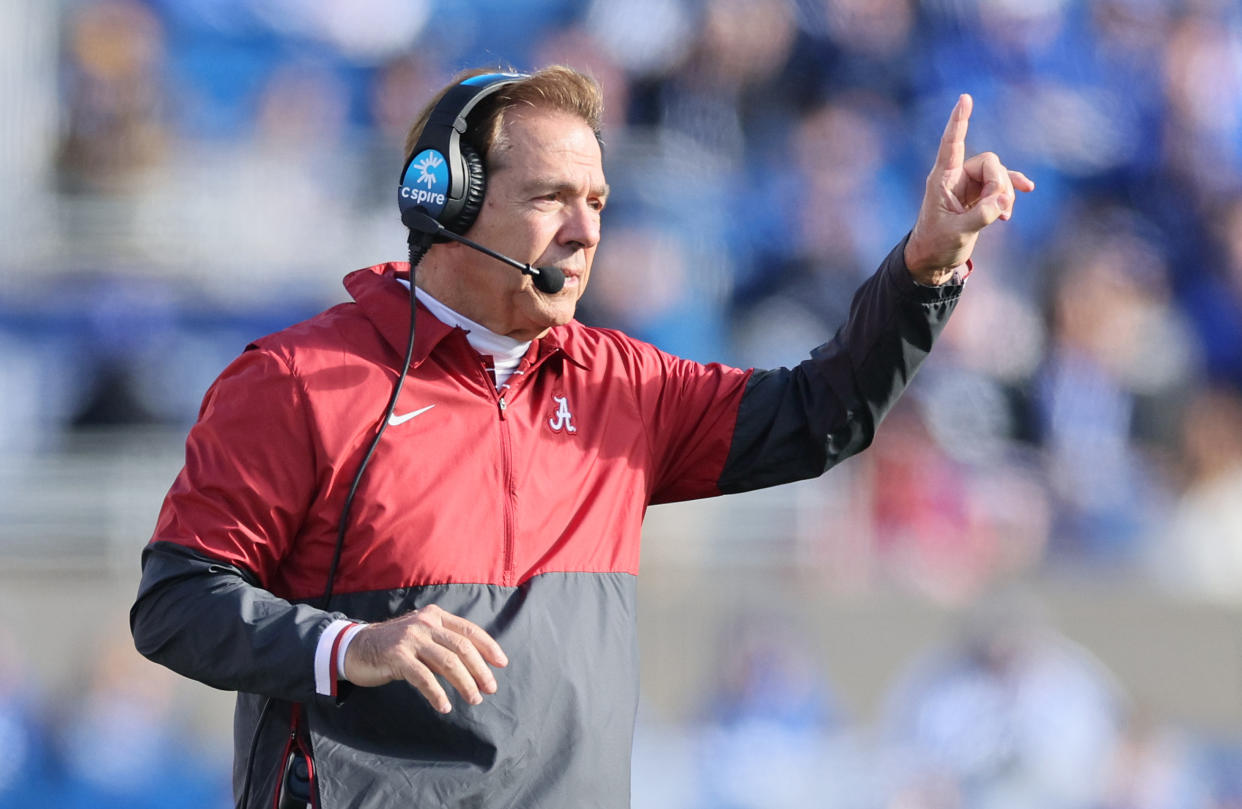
[[394, 419]]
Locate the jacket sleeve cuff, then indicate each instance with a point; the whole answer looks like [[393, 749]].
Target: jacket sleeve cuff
[[330, 655], [897, 271]]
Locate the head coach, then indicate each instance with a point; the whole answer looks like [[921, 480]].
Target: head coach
[[407, 529]]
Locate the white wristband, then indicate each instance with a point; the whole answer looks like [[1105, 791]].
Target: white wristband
[[346, 639], [328, 670]]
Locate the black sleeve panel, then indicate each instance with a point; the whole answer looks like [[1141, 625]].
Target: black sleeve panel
[[208, 620], [794, 424]]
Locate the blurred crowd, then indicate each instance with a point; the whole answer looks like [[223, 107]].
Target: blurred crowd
[[112, 742], [1006, 713], [215, 166]]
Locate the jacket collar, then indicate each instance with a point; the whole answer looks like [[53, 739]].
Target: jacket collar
[[557, 342], [386, 304]]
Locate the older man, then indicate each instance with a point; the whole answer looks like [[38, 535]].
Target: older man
[[435, 606]]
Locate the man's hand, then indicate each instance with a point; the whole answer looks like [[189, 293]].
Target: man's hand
[[962, 198], [419, 645]]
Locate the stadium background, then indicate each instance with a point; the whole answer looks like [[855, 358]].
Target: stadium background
[[1026, 594]]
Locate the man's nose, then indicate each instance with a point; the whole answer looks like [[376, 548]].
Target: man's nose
[[581, 225]]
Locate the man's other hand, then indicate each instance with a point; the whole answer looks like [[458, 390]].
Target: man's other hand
[[962, 198], [420, 645]]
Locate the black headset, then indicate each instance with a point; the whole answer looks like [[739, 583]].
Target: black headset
[[444, 176]]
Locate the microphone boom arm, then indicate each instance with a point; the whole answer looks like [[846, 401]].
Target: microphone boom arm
[[549, 280]]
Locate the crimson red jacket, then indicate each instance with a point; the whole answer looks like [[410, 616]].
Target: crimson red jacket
[[520, 510]]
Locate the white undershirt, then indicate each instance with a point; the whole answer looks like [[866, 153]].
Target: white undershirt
[[506, 352]]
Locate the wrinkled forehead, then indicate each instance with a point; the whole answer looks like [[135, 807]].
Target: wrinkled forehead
[[535, 134]]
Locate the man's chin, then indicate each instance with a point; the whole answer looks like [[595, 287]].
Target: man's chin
[[560, 317], [549, 311]]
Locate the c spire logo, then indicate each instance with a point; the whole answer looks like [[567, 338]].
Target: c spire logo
[[426, 168], [429, 160]]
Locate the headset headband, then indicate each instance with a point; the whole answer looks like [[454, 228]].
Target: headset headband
[[444, 176]]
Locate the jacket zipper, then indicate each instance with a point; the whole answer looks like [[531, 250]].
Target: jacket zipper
[[506, 447]]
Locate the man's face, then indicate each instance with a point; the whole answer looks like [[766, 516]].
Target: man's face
[[545, 192]]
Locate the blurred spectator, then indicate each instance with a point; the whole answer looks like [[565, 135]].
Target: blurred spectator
[[854, 45], [643, 287], [1203, 88], [1118, 362], [578, 46], [813, 233], [647, 38], [125, 326], [772, 728], [1200, 550], [1213, 295], [725, 97], [114, 126], [394, 99], [113, 145], [122, 748], [1155, 767], [365, 30], [946, 528], [28, 776], [394, 95], [1010, 715]]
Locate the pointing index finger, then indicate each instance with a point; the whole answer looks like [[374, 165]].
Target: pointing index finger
[[952, 152]]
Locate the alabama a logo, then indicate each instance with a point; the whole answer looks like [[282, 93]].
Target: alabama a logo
[[562, 419]]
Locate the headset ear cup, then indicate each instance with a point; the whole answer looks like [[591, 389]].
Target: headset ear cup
[[476, 187]]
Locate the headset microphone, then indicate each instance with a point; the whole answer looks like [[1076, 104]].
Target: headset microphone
[[548, 280]]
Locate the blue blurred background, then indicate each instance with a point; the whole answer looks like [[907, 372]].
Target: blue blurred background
[[1027, 593]]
